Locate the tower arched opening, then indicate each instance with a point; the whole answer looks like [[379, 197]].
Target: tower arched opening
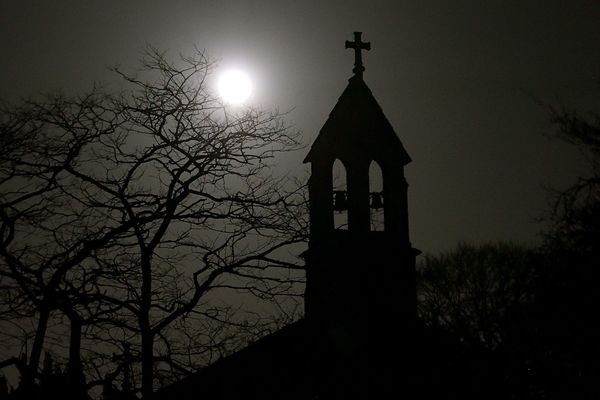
[[376, 199], [340, 195]]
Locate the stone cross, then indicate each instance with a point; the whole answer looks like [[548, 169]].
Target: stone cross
[[358, 45]]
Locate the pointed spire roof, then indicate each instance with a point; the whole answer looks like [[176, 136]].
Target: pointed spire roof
[[357, 127], [357, 122]]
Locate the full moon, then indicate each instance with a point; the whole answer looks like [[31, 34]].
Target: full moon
[[234, 87]]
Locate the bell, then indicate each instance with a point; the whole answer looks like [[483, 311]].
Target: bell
[[377, 200], [339, 201]]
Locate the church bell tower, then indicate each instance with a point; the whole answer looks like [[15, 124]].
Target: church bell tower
[[360, 281]]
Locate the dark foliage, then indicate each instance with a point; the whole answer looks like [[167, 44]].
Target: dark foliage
[[525, 317]]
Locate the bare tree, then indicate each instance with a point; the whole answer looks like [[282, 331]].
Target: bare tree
[[568, 296], [575, 210], [133, 215], [42, 236]]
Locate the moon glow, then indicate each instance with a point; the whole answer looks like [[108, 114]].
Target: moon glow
[[235, 87]]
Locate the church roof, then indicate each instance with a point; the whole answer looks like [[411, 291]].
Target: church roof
[[357, 122], [294, 364], [276, 366]]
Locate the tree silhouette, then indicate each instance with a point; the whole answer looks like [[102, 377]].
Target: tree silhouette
[[525, 316], [479, 293], [42, 236], [129, 213], [575, 211], [483, 297], [567, 293]]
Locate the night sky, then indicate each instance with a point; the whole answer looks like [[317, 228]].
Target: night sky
[[457, 80]]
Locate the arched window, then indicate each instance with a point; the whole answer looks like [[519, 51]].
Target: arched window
[[376, 197], [340, 196]]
